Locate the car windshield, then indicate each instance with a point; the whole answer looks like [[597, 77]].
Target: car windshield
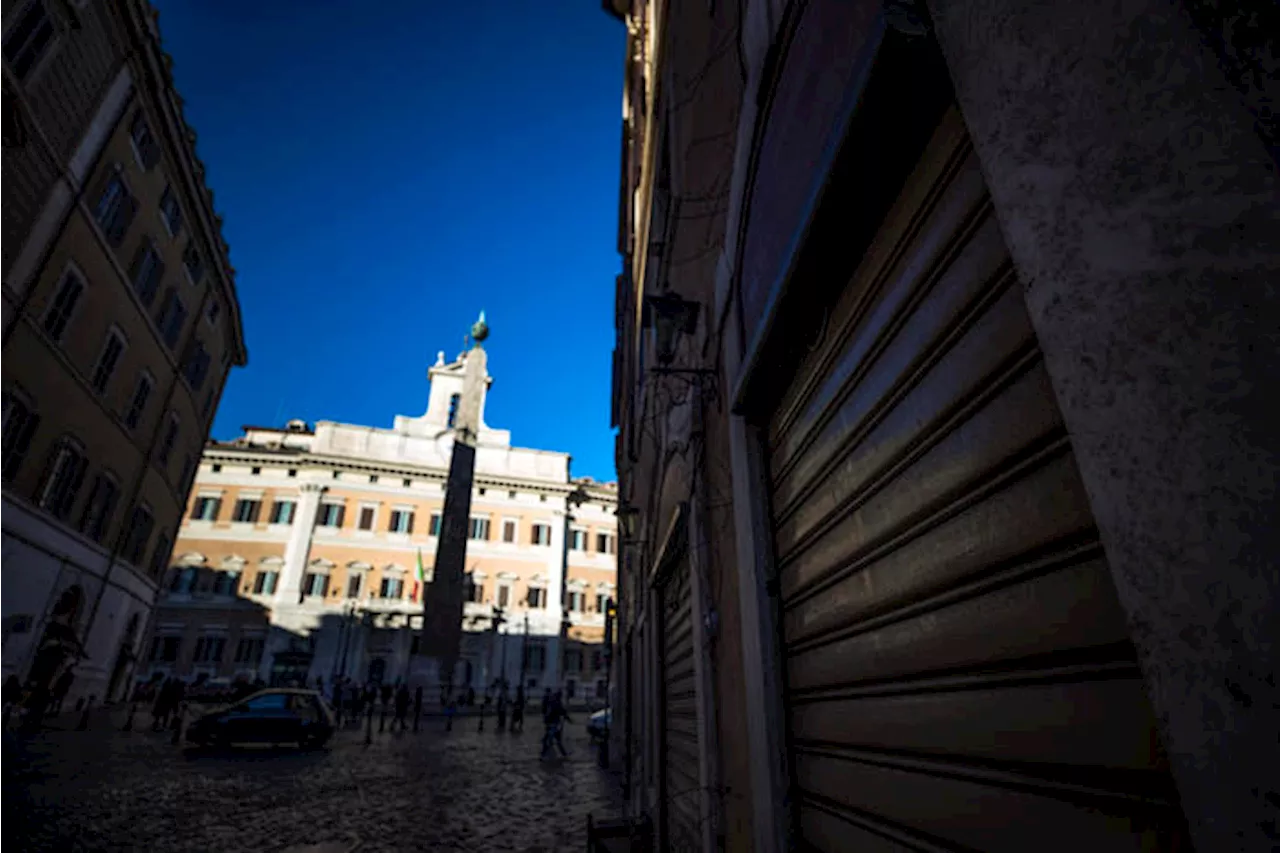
[[267, 702]]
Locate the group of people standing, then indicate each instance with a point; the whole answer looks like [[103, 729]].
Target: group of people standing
[[33, 702]]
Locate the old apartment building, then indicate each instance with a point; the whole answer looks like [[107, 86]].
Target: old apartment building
[[298, 557], [944, 338], [120, 324]]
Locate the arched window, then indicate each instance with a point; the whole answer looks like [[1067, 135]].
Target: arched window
[[454, 401]]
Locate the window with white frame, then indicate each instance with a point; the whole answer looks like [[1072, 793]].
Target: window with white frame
[[209, 649], [368, 515], [265, 582], [171, 212], [249, 650], [169, 439], [473, 591], [330, 515], [100, 506], [247, 510], [604, 543], [479, 529], [206, 508], [537, 597], [108, 360], [145, 148], [504, 594], [392, 587], [282, 511], [29, 38], [145, 273], [193, 262], [509, 530], [578, 540], [315, 584], [435, 524], [138, 534], [602, 601], [401, 521], [20, 422], [63, 305], [226, 582], [541, 534], [165, 648], [138, 403], [354, 582], [195, 365], [115, 208], [576, 600], [173, 316], [63, 479]]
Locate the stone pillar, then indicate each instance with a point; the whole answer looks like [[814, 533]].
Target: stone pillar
[[289, 589], [1140, 206], [555, 597]]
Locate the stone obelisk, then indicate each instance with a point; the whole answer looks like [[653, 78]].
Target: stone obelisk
[[442, 605]]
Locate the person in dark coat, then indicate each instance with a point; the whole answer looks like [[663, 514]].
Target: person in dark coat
[[160, 708], [502, 709], [60, 689], [402, 708], [554, 719], [517, 711]]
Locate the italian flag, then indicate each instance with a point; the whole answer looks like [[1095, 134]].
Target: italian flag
[[421, 579]]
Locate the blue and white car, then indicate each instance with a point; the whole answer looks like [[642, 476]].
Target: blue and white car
[[598, 724]]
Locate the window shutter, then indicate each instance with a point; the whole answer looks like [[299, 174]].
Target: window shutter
[[342, 511], [409, 527]]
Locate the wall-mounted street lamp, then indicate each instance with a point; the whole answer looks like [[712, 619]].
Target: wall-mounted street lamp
[[670, 316], [627, 516]]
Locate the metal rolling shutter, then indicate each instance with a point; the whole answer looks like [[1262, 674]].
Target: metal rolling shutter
[[681, 790], [959, 672]]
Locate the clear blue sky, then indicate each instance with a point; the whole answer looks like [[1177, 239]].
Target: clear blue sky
[[388, 169]]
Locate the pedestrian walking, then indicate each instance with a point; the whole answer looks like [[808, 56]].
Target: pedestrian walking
[[160, 708], [402, 708], [61, 688], [502, 710], [554, 719], [517, 711]]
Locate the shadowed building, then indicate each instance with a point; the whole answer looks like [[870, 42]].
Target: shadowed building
[[946, 337], [324, 527], [120, 324]]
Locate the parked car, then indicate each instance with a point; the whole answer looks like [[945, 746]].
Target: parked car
[[598, 724], [269, 716]]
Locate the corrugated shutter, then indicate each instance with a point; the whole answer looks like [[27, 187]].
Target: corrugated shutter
[[680, 792], [959, 672]]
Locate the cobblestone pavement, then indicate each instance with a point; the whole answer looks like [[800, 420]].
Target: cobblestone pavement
[[464, 790]]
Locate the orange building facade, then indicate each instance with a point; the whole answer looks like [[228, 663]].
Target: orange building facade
[[305, 551]]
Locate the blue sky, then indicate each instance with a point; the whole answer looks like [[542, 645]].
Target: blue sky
[[388, 169]]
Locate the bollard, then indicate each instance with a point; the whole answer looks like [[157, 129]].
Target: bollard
[[177, 723], [368, 729], [84, 717], [128, 723]]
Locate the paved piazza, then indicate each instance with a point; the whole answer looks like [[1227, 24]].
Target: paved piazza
[[464, 790]]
